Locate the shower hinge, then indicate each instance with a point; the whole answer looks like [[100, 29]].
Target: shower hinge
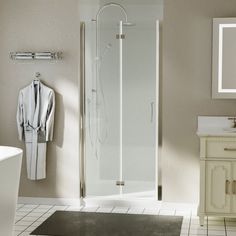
[[120, 183], [120, 36]]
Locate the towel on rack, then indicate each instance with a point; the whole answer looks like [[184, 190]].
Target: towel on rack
[[35, 120]]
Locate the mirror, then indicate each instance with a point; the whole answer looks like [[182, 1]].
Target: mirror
[[224, 58]]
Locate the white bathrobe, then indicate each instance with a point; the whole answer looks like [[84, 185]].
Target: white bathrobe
[[35, 119]]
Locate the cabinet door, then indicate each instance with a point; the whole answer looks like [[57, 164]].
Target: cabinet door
[[234, 187], [218, 186]]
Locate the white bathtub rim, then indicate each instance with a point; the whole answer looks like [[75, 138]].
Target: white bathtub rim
[[7, 152]]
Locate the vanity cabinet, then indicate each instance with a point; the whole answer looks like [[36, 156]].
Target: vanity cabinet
[[217, 177]]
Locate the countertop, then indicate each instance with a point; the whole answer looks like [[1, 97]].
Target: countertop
[[213, 132]]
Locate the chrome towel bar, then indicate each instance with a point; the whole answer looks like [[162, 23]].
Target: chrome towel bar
[[36, 55]]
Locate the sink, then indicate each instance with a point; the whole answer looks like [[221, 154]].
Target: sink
[[216, 126], [231, 130]]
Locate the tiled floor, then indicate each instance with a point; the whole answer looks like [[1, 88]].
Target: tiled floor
[[29, 217]]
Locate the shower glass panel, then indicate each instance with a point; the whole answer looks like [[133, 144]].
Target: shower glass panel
[[103, 102], [139, 118], [120, 83]]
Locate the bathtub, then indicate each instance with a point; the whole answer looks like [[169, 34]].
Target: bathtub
[[10, 167]]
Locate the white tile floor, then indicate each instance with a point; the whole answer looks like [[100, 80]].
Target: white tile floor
[[29, 217]]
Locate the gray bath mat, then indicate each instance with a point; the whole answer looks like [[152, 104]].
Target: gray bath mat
[[66, 223]]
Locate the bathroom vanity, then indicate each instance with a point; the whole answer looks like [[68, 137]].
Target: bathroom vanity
[[217, 167]]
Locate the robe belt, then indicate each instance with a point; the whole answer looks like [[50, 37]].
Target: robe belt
[[34, 128]]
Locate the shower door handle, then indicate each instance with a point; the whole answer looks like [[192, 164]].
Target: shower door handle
[[152, 112]]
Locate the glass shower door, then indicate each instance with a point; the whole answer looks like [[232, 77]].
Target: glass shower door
[[139, 113], [102, 109], [120, 108]]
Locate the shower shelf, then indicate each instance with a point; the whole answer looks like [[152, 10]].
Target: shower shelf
[[36, 55]]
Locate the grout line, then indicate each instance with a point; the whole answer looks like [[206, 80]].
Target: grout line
[[112, 209], [225, 227], [37, 218], [207, 225], [20, 207], [16, 212], [96, 209], [190, 223], [143, 211], [127, 210], [27, 214]]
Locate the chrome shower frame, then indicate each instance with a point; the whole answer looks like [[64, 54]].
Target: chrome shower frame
[[82, 112], [82, 127]]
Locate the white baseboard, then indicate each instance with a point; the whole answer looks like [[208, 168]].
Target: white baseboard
[[49, 201]]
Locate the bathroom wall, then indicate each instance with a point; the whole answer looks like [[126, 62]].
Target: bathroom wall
[[32, 25], [186, 90], [185, 87]]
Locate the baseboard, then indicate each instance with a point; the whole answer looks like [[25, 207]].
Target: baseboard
[[49, 201]]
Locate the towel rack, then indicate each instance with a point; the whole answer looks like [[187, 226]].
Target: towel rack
[[36, 55]]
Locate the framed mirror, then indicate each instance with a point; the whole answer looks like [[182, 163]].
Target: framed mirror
[[224, 58]]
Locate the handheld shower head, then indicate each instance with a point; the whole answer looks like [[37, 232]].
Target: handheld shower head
[[109, 45], [104, 52]]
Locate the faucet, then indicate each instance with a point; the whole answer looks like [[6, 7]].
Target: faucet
[[234, 121]]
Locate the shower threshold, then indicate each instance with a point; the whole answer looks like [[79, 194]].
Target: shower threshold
[[124, 200]]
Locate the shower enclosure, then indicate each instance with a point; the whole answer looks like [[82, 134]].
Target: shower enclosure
[[119, 91]]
